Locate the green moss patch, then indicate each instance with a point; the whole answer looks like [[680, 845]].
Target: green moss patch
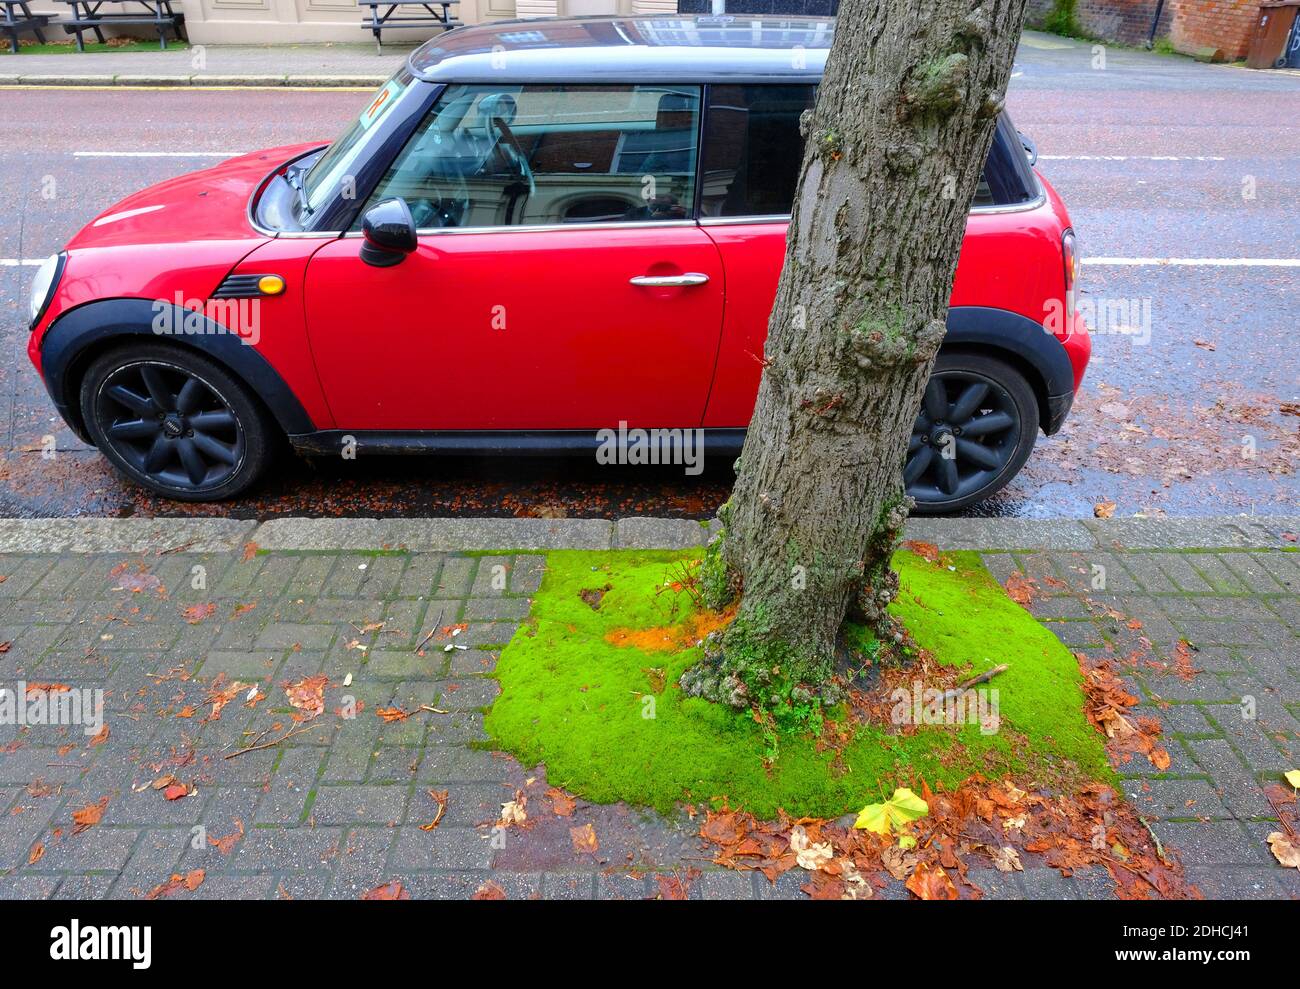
[[600, 706]]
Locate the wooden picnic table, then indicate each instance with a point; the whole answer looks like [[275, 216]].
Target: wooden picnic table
[[88, 16], [405, 17], [22, 19]]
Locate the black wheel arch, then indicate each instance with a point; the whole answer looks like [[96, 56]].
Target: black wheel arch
[[80, 335], [1024, 345]]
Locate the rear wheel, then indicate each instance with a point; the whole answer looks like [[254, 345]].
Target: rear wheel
[[175, 422], [975, 430]]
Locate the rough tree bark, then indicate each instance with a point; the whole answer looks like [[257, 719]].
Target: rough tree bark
[[893, 151]]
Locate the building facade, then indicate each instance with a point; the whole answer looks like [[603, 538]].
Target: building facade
[[279, 21]]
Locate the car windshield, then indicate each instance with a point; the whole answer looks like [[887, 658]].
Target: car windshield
[[335, 166]]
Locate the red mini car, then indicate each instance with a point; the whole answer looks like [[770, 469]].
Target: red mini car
[[534, 232]]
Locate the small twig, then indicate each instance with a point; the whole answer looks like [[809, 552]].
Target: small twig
[[274, 742], [260, 735], [1160, 849], [984, 677], [436, 625]]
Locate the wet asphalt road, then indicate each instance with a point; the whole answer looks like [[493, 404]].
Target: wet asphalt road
[[1189, 408]]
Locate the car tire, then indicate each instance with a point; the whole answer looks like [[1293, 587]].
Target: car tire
[[976, 428], [175, 422]]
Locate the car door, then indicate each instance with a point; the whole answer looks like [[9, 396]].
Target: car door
[[560, 280], [751, 160]]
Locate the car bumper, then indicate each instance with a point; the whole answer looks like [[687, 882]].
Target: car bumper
[[1078, 348]]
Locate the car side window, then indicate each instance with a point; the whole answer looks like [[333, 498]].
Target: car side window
[[753, 153], [522, 155], [752, 149]]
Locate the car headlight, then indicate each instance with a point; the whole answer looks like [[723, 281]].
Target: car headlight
[[44, 284]]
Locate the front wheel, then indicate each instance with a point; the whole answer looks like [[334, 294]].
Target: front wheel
[[175, 422], [975, 430]]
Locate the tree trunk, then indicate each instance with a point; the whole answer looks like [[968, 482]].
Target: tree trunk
[[893, 152]]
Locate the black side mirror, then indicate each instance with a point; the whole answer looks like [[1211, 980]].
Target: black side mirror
[[390, 233]]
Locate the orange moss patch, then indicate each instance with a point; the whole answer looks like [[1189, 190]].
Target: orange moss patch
[[672, 638]]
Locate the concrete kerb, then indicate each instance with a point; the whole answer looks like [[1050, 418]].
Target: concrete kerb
[[168, 535]]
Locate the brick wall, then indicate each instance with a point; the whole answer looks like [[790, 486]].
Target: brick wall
[[1194, 26], [1221, 26], [1127, 22]]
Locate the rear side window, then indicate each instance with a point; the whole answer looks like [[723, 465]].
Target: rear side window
[[752, 149], [518, 155], [753, 152]]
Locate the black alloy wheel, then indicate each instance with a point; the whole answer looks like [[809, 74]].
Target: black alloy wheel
[[176, 423], [977, 425]]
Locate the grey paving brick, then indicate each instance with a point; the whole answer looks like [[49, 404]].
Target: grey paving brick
[[87, 886], [459, 764], [1164, 799], [468, 693], [1252, 573], [568, 886], [288, 635], [404, 663], [443, 848], [499, 609], [1148, 574], [1184, 719], [26, 887], [362, 862], [280, 849], [492, 579], [98, 847], [347, 804], [715, 885], [464, 885], [455, 579], [1236, 883], [1090, 883], [1284, 568], [995, 885], [308, 580], [420, 578], [1209, 843], [526, 574], [1178, 567]]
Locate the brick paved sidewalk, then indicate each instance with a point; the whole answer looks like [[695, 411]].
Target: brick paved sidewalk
[[336, 811]]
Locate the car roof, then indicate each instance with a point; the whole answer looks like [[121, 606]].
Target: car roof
[[664, 49]]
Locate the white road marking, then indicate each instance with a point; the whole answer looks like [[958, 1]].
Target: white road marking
[[15, 262], [1195, 262], [1132, 158], [156, 154]]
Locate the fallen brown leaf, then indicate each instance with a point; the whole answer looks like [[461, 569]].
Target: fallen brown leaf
[[88, 816], [388, 891], [584, 839], [562, 804]]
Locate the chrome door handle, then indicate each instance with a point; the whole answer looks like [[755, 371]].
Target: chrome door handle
[[662, 281]]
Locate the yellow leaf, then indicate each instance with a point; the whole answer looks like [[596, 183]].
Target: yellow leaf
[[902, 808], [1293, 777]]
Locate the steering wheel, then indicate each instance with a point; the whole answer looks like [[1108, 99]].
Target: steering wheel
[[510, 144], [432, 214]]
